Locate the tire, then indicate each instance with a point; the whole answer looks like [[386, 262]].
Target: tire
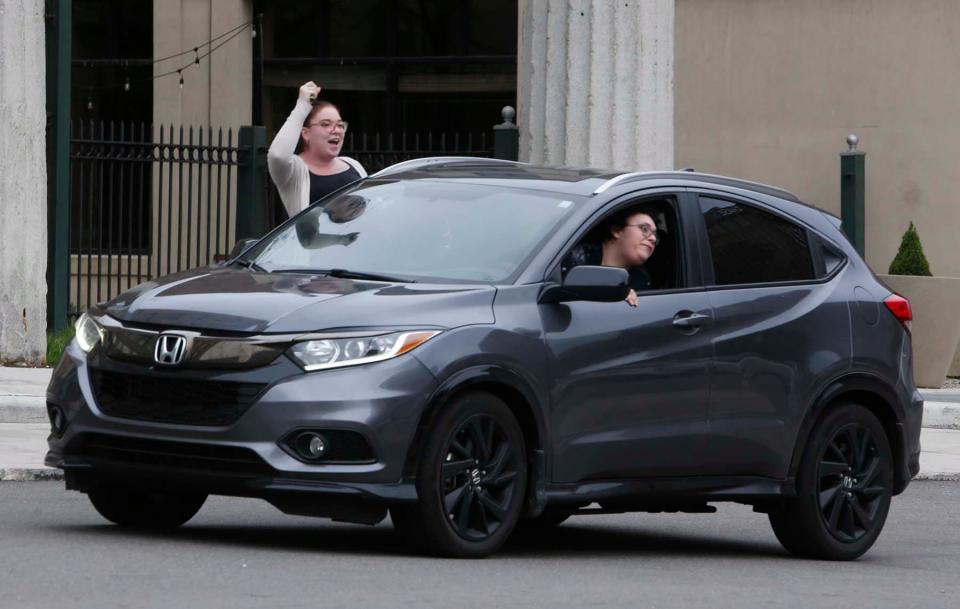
[[145, 510], [471, 480], [844, 487]]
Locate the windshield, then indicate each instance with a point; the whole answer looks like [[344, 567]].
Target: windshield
[[418, 230]]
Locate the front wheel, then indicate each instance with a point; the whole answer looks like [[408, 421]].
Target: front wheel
[[145, 509], [844, 487], [471, 480]]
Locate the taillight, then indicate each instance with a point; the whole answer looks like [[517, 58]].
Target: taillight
[[900, 307]]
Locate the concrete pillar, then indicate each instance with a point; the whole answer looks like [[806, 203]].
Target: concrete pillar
[[595, 83], [23, 182]]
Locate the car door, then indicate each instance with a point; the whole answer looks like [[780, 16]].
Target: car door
[[629, 390], [780, 328]]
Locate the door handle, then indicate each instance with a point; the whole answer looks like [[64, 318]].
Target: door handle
[[689, 319]]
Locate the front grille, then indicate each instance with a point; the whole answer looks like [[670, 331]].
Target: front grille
[[172, 400], [177, 455]]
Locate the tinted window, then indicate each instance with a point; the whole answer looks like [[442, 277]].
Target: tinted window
[[752, 246]]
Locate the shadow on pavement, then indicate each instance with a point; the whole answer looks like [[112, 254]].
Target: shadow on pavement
[[571, 539]]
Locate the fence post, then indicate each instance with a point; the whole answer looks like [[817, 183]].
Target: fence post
[[506, 136], [252, 183], [852, 167], [58, 161]]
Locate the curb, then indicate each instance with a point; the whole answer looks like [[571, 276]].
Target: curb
[[23, 409], [30, 475]]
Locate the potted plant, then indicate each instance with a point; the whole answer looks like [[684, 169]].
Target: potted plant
[[934, 301]]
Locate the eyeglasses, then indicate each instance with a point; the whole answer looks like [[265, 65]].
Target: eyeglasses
[[328, 125], [647, 231]]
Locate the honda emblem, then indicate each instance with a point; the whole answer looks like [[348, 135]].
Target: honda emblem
[[170, 349]]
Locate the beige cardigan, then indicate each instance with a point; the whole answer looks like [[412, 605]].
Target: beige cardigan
[[287, 170]]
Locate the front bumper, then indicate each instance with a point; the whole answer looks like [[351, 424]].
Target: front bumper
[[383, 402]]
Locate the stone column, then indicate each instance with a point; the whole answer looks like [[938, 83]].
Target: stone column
[[23, 182], [595, 83]]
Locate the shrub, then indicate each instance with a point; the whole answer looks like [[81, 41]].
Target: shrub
[[57, 342], [910, 259]]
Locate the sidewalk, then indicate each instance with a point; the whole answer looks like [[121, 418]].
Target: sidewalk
[[24, 428]]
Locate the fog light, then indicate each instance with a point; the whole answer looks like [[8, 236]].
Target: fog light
[[58, 420], [316, 446], [311, 445]]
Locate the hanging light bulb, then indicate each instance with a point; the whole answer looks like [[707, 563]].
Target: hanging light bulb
[[181, 78], [253, 32], [126, 84], [89, 102]]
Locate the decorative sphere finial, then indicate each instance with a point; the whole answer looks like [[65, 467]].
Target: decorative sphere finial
[[852, 141], [508, 114]]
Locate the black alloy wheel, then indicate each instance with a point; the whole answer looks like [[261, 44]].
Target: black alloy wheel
[[471, 480], [850, 489], [478, 478], [844, 487]]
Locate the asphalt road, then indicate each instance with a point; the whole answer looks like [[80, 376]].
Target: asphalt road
[[55, 551]]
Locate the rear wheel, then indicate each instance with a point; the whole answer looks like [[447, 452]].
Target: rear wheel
[[471, 480], [145, 509], [844, 487]]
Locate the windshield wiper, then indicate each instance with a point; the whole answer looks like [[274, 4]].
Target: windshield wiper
[[250, 264], [347, 274]]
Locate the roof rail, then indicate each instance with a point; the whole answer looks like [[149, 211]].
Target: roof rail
[[692, 175], [436, 160], [623, 177]]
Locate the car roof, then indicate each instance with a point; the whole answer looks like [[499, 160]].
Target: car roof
[[568, 180]]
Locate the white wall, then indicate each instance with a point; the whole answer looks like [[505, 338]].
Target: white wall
[[23, 181]]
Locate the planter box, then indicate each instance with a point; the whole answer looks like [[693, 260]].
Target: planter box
[[936, 325]]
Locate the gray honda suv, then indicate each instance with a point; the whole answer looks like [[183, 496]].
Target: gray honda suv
[[442, 341]]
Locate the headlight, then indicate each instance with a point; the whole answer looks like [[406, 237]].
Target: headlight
[[89, 333], [337, 352]]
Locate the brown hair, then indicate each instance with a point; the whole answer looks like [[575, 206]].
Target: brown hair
[[318, 105]]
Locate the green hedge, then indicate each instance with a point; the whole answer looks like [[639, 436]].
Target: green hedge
[[910, 259]]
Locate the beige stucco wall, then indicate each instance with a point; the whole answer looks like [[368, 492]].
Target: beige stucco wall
[[217, 92], [769, 89]]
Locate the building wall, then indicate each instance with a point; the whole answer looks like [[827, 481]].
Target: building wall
[[216, 93], [595, 83], [769, 89], [23, 181]]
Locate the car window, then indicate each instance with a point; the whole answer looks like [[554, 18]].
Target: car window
[[663, 270], [749, 245], [423, 230]]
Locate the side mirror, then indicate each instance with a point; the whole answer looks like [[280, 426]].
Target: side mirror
[[593, 283], [240, 247]]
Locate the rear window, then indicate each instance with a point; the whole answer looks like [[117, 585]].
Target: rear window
[[749, 245]]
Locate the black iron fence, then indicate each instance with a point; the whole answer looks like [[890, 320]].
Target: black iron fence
[[147, 202]]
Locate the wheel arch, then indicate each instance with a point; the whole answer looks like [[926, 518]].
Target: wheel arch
[[507, 385], [875, 395]]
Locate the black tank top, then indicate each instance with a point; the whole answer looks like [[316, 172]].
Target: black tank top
[[321, 186]]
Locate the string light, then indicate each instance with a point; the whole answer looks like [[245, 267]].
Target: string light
[[229, 35]]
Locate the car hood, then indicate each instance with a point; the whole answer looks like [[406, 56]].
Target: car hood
[[237, 300]]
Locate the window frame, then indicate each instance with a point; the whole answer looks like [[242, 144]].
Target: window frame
[[813, 236], [688, 253]]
